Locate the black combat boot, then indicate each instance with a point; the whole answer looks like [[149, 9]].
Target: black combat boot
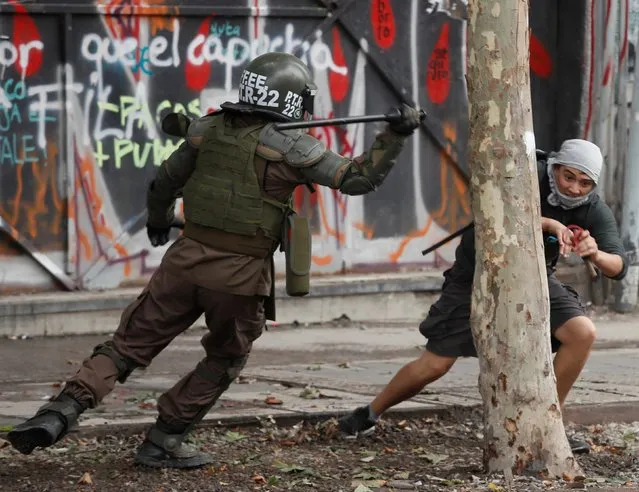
[[163, 448], [47, 426]]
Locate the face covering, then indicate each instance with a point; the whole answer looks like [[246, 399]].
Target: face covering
[[580, 155]]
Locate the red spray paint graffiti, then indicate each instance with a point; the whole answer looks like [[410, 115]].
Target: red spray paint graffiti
[[438, 72], [25, 31], [540, 60], [383, 22], [197, 76], [338, 82]]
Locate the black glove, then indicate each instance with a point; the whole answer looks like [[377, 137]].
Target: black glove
[[158, 236], [407, 120]]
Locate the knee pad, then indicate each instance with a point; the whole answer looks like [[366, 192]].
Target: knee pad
[[228, 370], [124, 365], [236, 367]]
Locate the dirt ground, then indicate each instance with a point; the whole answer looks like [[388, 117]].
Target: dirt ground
[[435, 454]]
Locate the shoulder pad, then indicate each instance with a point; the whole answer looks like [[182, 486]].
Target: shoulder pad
[[297, 148], [199, 127]]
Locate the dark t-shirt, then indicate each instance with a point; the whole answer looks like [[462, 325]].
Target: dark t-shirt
[[595, 217]]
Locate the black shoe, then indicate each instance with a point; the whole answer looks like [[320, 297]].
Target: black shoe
[[48, 426], [163, 450], [358, 421], [183, 456], [578, 446]]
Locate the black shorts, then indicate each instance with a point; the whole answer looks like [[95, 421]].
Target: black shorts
[[447, 326]]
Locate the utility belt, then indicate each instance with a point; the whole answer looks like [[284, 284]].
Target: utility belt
[[295, 242]]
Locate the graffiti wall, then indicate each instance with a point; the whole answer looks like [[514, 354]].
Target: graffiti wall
[[84, 87]]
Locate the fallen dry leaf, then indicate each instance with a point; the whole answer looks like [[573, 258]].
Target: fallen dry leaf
[[434, 458], [231, 436], [310, 393], [272, 400], [244, 380], [364, 486], [615, 450], [361, 487], [402, 475], [259, 479], [86, 479]]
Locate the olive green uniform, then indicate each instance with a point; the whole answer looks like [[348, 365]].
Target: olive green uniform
[[236, 195]]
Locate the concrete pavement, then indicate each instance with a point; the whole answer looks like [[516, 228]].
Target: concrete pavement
[[399, 296], [301, 372], [381, 297]]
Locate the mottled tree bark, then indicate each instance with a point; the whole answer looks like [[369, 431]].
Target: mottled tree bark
[[510, 308]]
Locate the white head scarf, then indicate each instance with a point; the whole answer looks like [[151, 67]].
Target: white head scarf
[[580, 155]]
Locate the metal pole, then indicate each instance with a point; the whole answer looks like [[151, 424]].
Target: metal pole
[[334, 121], [626, 289], [366, 118]]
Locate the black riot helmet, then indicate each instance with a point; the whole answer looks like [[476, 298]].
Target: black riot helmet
[[278, 85]]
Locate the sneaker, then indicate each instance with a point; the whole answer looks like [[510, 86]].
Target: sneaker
[[356, 422], [578, 446]]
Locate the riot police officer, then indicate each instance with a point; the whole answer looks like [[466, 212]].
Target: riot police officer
[[236, 173]]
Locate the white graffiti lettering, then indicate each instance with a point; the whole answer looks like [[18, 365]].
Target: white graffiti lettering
[[231, 51], [108, 50], [11, 54], [39, 109], [238, 51], [454, 8]]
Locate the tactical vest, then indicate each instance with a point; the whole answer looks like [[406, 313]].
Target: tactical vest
[[224, 203]]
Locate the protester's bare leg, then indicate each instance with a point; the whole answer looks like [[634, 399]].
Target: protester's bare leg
[[411, 379], [577, 337]]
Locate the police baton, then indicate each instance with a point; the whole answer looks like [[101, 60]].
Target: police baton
[[447, 239], [394, 116]]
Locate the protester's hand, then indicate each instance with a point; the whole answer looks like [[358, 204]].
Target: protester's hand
[[585, 244], [563, 234]]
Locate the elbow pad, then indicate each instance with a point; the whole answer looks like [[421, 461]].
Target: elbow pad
[[356, 184]]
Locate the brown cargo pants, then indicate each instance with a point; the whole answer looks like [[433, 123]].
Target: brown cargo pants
[[167, 306]]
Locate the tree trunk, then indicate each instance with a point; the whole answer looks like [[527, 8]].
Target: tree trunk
[[510, 307]]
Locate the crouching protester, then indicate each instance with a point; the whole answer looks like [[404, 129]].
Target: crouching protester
[[236, 173], [568, 192]]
